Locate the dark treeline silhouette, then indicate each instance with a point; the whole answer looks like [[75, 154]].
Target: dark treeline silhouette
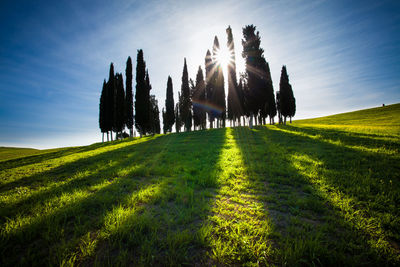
[[251, 98]]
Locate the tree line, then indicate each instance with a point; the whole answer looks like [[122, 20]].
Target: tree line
[[251, 99]]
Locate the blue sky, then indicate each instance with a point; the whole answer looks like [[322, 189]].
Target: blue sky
[[54, 55]]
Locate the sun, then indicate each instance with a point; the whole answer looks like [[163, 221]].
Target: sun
[[224, 57]]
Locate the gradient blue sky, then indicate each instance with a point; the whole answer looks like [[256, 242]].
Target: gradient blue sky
[[54, 55]]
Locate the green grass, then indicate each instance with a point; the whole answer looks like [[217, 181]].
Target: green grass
[[7, 153], [316, 192]]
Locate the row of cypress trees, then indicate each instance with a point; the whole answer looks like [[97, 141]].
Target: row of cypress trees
[[252, 97], [116, 104]]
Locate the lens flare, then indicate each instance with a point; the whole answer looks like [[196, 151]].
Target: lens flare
[[223, 57]]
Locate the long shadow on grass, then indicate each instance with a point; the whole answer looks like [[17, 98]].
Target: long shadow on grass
[[372, 141], [310, 228], [62, 152], [36, 227], [167, 229], [171, 167], [77, 175], [62, 168]]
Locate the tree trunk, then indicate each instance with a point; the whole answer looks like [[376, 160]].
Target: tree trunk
[[111, 136], [108, 139], [284, 121], [131, 132], [102, 137], [290, 119]]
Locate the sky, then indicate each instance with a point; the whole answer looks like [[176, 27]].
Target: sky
[[54, 55]]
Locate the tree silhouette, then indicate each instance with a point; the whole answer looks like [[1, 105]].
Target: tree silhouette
[[260, 98], [119, 106], [185, 101], [219, 86], [141, 104], [198, 100], [110, 99], [234, 106], [287, 100], [268, 108], [102, 111], [209, 66], [129, 97], [154, 116], [148, 105], [169, 106]]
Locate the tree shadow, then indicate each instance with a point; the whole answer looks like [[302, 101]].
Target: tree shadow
[[77, 175], [167, 229], [71, 161], [294, 175], [162, 184], [60, 152], [364, 140]]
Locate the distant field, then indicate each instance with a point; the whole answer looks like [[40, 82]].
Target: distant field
[[7, 153], [317, 192]]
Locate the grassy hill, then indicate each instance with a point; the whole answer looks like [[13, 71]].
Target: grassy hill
[[317, 192]]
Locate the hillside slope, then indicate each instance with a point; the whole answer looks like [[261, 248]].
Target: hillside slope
[[310, 193], [381, 120]]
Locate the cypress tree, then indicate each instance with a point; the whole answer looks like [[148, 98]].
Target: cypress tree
[[169, 106], [209, 66], [129, 97], [154, 116], [287, 100], [110, 101], [102, 115], [119, 105], [198, 99], [185, 101], [141, 117], [260, 98], [219, 87], [233, 92], [239, 110], [148, 106]]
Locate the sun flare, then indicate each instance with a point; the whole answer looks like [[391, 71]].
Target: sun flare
[[224, 57]]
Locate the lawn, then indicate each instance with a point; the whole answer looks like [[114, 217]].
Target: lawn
[[316, 192]]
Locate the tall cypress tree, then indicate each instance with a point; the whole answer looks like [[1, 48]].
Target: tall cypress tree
[[219, 86], [185, 112], [129, 97], [141, 117], [233, 93], [169, 106], [154, 116], [148, 105], [287, 100], [209, 66], [102, 115], [260, 98], [119, 105], [110, 98], [198, 100]]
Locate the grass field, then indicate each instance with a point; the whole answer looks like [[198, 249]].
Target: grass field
[[317, 192]]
